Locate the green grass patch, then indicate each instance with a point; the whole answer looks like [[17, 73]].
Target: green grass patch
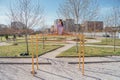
[[108, 42], [16, 50], [91, 52]]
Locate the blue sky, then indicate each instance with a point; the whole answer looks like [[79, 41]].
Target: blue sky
[[51, 7]]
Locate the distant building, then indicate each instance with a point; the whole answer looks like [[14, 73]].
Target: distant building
[[91, 26], [3, 26], [20, 28], [17, 25], [3, 29], [69, 25], [47, 30], [112, 29], [88, 26], [53, 29], [56, 22], [77, 27]]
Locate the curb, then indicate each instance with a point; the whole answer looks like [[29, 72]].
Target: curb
[[38, 55], [48, 63], [93, 62], [84, 56], [50, 50], [29, 63]]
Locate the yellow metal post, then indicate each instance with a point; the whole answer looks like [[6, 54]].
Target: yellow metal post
[[81, 52], [37, 51], [32, 46], [79, 57], [79, 60]]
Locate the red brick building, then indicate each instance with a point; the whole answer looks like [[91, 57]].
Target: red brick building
[[90, 26]]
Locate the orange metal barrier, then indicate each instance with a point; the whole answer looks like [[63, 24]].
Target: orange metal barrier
[[81, 52], [32, 37]]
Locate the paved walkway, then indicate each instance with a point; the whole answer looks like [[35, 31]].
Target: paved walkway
[[53, 54], [108, 46], [60, 69], [4, 43]]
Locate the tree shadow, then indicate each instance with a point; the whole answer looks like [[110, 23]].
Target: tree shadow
[[5, 75], [113, 58], [39, 77], [60, 66], [56, 75], [92, 77], [103, 73]]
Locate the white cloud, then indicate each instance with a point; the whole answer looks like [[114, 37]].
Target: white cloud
[[4, 20]]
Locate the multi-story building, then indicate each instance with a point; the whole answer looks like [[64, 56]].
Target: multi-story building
[[3, 29], [96, 26], [17, 25], [69, 25], [112, 29], [20, 28], [87, 26]]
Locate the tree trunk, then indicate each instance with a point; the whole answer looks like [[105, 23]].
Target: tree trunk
[[114, 41], [26, 41]]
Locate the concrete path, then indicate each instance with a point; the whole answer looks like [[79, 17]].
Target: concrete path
[[4, 43], [60, 69], [108, 46], [53, 54]]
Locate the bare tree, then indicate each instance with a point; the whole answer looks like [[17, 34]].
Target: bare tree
[[91, 13], [116, 21], [79, 10], [107, 21], [70, 9], [28, 12], [113, 21], [63, 11]]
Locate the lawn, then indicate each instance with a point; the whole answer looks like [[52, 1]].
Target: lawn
[[91, 52], [108, 41], [15, 50]]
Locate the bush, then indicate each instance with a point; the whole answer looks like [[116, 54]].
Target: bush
[[15, 43], [106, 35], [6, 37]]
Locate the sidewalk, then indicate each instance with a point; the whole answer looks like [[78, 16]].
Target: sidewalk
[[60, 68], [22, 61], [51, 56], [54, 53], [44, 60], [4, 43]]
